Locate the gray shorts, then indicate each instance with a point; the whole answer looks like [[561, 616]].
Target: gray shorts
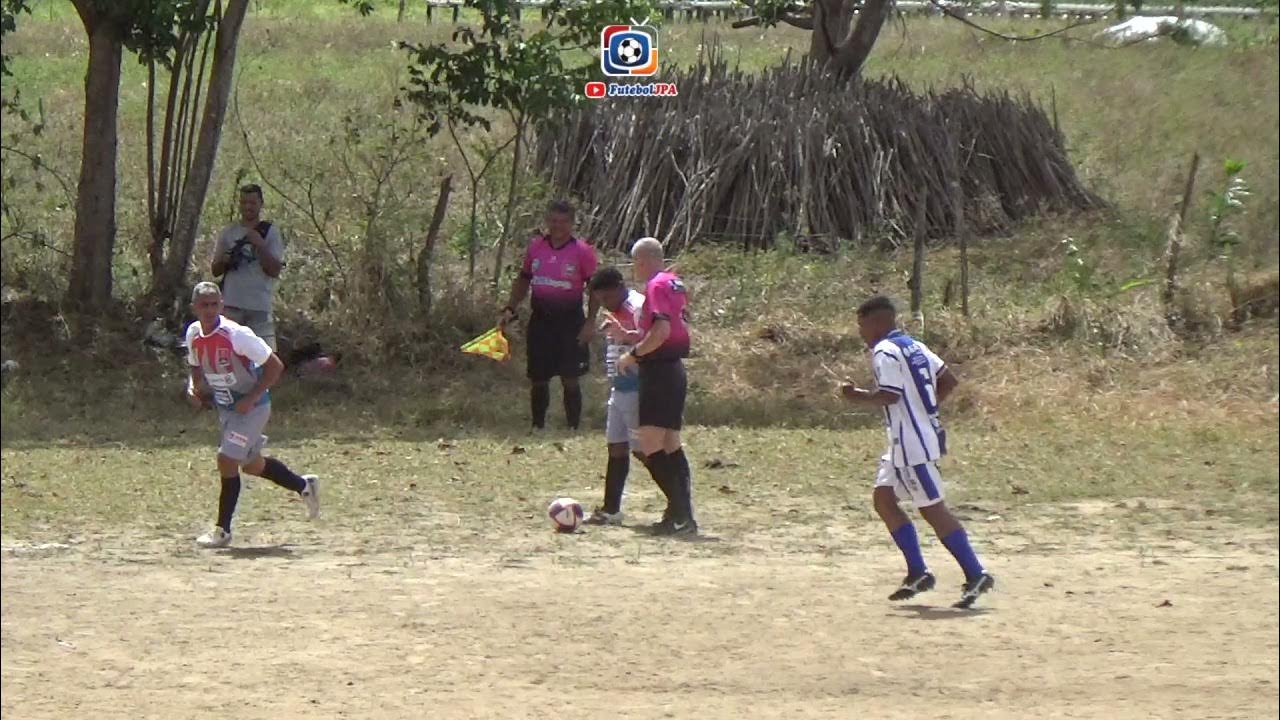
[[261, 322], [623, 423], [242, 437]]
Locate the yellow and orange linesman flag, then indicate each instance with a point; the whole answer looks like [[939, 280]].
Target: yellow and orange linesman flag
[[492, 345]]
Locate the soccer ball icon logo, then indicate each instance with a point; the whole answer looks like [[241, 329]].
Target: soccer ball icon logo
[[628, 50], [631, 51]]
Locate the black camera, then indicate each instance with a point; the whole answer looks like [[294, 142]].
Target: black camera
[[240, 254]]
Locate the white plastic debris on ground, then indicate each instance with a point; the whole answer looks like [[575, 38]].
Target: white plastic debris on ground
[[1188, 30]]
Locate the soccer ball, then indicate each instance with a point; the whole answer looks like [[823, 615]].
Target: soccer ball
[[566, 514], [630, 51]]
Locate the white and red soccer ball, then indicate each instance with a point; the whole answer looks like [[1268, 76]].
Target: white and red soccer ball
[[566, 514]]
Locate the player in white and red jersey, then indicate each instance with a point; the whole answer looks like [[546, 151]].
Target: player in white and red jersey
[[238, 368]]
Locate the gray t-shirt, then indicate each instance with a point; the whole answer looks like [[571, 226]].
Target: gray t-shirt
[[248, 286]]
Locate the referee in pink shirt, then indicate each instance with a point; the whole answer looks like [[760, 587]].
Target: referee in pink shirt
[[557, 267], [659, 359]]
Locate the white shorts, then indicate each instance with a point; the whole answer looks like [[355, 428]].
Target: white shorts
[[922, 484], [623, 423]]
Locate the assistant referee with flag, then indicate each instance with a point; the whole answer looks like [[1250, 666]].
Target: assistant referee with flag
[[556, 268]]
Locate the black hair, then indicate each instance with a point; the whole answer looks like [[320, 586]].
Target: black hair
[[606, 278], [876, 304], [560, 207], [252, 189]]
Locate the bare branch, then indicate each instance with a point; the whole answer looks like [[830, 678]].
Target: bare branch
[[39, 162], [17, 222], [310, 208], [1012, 38], [804, 22]]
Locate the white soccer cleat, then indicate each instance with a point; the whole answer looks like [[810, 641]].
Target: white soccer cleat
[[215, 538], [311, 496]]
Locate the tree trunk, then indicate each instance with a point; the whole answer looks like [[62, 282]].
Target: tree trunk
[[917, 264], [429, 246], [89, 288], [831, 21], [164, 181], [196, 186], [511, 202], [400, 12], [842, 43]]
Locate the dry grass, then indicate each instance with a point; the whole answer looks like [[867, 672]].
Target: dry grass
[[303, 68], [1121, 481]]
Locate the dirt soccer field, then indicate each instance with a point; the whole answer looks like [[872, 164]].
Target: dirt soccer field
[[395, 606]]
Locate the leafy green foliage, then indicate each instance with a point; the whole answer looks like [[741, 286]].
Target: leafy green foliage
[[26, 168], [1226, 204], [156, 26], [9, 12], [501, 66], [1084, 278]]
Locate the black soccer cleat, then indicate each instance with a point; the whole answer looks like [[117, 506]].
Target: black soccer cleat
[[672, 527], [973, 588], [913, 586]]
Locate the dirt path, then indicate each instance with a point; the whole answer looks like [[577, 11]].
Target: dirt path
[[142, 627]]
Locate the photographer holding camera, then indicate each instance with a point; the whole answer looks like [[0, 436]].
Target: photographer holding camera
[[249, 256]]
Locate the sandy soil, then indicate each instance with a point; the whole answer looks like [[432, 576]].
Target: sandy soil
[[763, 625]]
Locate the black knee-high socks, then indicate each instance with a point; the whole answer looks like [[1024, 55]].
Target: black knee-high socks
[[227, 499]]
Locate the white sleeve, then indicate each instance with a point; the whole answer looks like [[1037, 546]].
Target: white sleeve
[[192, 332], [637, 308], [275, 243], [245, 343], [889, 371]]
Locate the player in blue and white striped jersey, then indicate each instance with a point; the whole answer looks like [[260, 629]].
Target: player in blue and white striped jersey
[[911, 383]]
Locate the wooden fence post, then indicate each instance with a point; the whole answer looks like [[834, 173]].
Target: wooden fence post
[[1174, 247]]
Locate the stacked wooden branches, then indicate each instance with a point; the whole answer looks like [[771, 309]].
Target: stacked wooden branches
[[794, 153]]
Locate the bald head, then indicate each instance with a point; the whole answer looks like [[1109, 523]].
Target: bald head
[[647, 247], [647, 259]]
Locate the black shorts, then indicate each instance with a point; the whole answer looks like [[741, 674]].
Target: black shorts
[[553, 348], [662, 389]]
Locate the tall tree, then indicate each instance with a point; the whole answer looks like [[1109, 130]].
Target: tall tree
[[186, 177], [159, 32], [108, 25]]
